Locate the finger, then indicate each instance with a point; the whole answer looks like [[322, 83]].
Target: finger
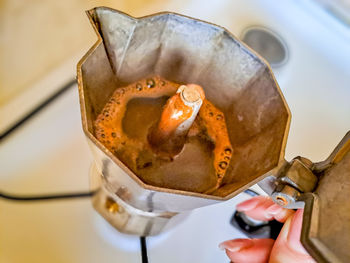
[[287, 248], [293, 239], [263, 208], [259, 211], [248, 250], [252, 203], [278, 213]]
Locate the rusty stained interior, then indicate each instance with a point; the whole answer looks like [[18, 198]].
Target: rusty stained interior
[[184, 51]]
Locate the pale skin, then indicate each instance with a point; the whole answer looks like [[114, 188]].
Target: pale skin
[[285, 249]]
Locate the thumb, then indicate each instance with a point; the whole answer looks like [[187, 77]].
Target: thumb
[[248, 250], [287, 248]]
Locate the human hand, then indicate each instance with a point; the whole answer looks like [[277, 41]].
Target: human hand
[[287, 247]]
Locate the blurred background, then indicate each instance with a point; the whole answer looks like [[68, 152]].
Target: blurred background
[[43, 149], [41, 42]]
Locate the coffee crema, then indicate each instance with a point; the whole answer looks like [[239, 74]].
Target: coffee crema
[[126, 123]]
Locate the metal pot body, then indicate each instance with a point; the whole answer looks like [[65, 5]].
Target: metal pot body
[[184, 50]]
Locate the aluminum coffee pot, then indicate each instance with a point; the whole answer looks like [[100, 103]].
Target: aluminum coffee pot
[[241, 84]]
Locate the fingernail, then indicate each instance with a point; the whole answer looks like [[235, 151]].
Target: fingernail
[[247, 205], [274, 209], [236, 245]]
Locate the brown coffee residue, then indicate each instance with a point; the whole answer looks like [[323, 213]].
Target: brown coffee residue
[[131, 114]]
